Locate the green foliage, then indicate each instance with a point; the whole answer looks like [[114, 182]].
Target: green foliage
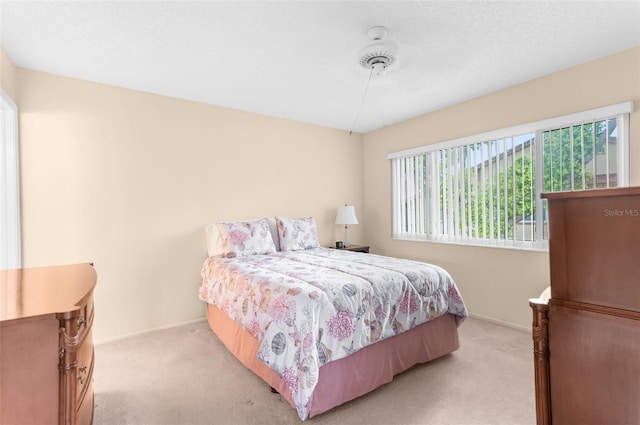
[[511, 199], [566, 157], [476, 201]]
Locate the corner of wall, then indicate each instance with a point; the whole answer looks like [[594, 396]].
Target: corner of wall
[[8, 75]]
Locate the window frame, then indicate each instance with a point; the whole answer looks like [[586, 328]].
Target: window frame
[[10, 237], [620, 111]]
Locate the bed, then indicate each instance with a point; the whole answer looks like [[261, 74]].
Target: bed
[[323, 326]]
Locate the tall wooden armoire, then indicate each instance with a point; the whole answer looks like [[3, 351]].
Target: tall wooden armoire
[[587, 338]]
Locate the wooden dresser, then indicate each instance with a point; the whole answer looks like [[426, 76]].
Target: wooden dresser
[[587, 337], [46, 346]]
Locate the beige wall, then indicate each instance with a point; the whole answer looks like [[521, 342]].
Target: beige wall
[[128, 180], [495, 283]]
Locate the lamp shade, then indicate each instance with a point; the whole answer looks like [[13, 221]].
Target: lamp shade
[[346, 215]]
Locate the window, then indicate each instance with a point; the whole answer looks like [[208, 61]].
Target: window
[[485, 189], [9, 185]]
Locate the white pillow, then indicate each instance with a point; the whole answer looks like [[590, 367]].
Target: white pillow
[[240, 238]]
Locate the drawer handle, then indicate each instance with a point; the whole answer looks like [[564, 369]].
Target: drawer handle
[[83, 374]]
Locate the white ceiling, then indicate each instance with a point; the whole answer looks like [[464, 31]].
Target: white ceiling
[[299, 59]]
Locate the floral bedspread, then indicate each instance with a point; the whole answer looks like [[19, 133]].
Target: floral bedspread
[[310, 307]]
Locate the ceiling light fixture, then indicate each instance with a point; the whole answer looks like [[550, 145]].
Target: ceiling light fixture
[[376, 57]]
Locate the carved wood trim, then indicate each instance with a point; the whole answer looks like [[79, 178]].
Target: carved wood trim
[[540, 336], [69, 342], [595, 308]]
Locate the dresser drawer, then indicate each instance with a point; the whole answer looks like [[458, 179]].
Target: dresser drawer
[[84, 406], [85, 358], [85, 410], [84, 374], [85, 319]]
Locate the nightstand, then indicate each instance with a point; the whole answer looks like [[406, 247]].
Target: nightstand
[[356, 248]]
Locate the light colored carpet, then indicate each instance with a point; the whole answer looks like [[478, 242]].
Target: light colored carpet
[[186, 376]]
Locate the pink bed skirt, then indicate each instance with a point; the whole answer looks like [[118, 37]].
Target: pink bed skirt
[[345, 379]]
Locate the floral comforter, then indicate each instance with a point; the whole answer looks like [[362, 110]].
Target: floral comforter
[[310, 307]]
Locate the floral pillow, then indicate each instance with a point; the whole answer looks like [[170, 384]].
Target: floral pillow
[[297, 233], [240, 238]]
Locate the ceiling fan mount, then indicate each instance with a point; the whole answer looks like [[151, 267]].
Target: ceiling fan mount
[[379, 55]]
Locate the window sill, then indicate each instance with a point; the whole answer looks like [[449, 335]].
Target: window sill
[[515, 245]]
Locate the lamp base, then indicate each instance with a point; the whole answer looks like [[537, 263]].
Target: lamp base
[[346, 241]]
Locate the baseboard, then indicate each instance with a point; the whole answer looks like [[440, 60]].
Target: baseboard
[[500, 322], [177, 325], [148, 331]]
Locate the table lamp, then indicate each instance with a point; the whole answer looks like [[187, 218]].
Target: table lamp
[[346, 215]]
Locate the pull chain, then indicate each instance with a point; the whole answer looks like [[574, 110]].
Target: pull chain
[[362, 102]]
